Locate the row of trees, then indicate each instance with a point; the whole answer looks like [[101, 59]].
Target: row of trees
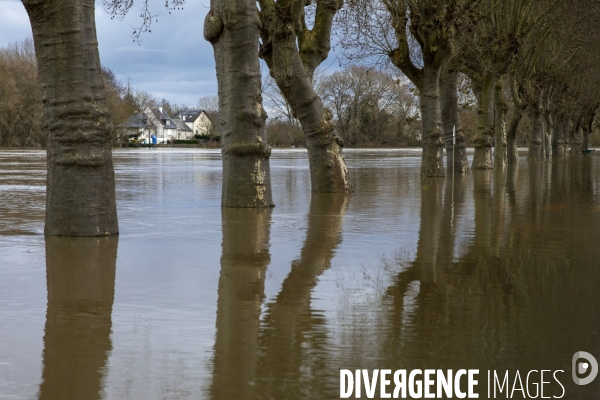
[[541, 52], [532, 42]]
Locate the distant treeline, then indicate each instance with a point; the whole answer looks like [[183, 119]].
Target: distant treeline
[[21, 113], [374, 108]]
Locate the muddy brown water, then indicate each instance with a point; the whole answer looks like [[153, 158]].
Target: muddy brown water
[[494, 271]]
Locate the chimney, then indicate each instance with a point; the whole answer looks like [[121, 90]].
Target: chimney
[[160, 109]]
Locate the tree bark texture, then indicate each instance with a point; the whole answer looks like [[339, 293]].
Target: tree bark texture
[[456, 155], [484, 91], [500, 110], [548, 134], [80, 194], [537, 134], [431, 123], [587, 124], [559, 140], [281, 37], [232, 27], [512, 150], [576, 138]]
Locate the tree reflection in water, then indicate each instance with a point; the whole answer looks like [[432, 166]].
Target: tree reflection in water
[[81, 286], [496, 283], [268, 358]]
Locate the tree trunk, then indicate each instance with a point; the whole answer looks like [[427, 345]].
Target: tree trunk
[[500, 110], [548, 134], [537, 134], [328, 170], [484, 91], [586, 137], [433, 145], [80, 194], [292, 53], [512, 152], [456, 155], [576, 138], [232, 27], [559, 146]]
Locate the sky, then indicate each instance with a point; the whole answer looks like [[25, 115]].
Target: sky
[[173, 62]]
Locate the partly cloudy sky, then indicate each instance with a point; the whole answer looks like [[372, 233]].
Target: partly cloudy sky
[[173, 62]]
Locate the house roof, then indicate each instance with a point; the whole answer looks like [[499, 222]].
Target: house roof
[[164, 118], [136, 121], [182, 126], [190, 115]]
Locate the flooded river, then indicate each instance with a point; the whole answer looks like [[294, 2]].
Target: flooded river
[[492, 271]]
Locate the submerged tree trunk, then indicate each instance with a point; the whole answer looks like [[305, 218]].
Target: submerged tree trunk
[[328, 170], [576, 138], [232, 27], [293, 69], [512, 150], [433, 145], [80, 194], [587, 124], [559, 143], [548, 134], [537, 133], [456, 155], [484, 91], [500, 110], [585, 145]]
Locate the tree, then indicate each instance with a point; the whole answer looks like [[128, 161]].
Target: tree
[[208, 103], [452, 128], [370, 107], [80, 196], [417, 37], [120, 105], [293, 51], [487, 54], [21, 114], [231, 27]]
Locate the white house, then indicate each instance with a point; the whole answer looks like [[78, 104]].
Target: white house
[[197, 120], [166, 129], [154, 125]]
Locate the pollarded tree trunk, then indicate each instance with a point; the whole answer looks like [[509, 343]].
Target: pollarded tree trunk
[[232, 27], [535, 141], [548, 134], [484, 91], [328, 170], [80, 194], [576, 138], [500, 110], [559, 146], [512, 150], [456, 155], [431, 123], [587, 129]]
